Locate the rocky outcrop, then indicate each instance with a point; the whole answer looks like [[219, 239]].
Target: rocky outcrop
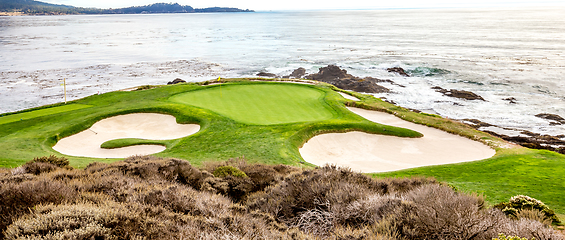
[[525, 138], [297, 73], [459, 94], [176, 81], [340, 78], [511, 100], [266, 74], [400, 71], [557, 120]]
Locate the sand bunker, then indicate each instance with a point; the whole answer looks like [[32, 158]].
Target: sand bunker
[[347, 96], [378, 153], [138, 125]]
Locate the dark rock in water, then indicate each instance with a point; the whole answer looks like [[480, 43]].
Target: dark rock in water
[[511, 100], [297, 73], [552, 117], [526, 138], [266, 74], [176, 81], [340, 78], [383, 80], [459, 94], [398, 70], [477, 123], [330, 73]]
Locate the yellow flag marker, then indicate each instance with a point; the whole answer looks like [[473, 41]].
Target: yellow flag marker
[[220, 86], [65, 88]]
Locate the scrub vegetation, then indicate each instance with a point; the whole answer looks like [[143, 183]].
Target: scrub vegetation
[[155, 198]]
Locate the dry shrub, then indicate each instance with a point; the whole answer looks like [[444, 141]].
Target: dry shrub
[[109, 220], [327, 188], [369, 210], [37, 168], [526, 228], [258, 177], [17, 198], [438, 212], [534, 214], [57, 161]]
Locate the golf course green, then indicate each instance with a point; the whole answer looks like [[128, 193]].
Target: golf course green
[[267, 122], [261, 104]]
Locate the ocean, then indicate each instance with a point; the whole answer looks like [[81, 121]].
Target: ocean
[[496, 53]]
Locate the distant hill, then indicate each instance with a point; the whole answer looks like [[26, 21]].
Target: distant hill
[[41, 8], [31, 7]]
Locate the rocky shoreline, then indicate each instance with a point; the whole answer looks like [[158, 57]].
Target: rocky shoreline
[[340, 78]]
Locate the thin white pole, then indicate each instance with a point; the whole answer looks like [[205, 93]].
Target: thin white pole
[[65, 88]]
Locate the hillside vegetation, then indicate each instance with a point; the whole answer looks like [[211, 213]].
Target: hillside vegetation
[[512, 171], [144, 197], [39, 8]]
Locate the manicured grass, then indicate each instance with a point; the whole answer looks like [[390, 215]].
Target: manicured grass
[[126, 142], [262, 104], [220, 137], [40, 112]]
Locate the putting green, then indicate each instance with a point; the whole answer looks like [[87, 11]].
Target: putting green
[[261, 104]]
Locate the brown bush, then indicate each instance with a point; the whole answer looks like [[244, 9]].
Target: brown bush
[[17, 198], [438, 212], [526, 228], [145, 197], [327, 188], [57, 161], [37, 168]]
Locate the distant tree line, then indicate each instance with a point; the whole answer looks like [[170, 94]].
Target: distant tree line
[[40, 8]]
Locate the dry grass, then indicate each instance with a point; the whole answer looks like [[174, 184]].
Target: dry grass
[[150, 198]]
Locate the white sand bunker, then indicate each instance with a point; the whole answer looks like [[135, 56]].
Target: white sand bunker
[[379, 153], [138, 125], [347, 96]]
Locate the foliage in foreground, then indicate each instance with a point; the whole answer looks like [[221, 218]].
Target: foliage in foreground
[[520, 205], [145, 197]]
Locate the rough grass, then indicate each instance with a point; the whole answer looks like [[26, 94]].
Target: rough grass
[[262, 104]]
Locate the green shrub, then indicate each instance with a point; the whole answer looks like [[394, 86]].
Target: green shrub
[[57, 161], [521, 202], [225, 171], [504, 237]]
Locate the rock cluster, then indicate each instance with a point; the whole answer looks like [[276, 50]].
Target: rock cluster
[[398, 70], [176, 81], [556, 119], [340, 78], [459, 94]]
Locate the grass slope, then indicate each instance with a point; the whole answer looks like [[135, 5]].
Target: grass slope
[[220, 137], [39, 113], [537, 173], [262, 104]]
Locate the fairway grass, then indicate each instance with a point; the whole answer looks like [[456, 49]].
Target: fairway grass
[[261, 104], [40, 113]]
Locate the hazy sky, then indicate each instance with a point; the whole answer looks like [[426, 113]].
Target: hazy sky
[[315, 4]]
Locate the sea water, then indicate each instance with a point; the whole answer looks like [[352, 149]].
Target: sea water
[[495, 53]]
